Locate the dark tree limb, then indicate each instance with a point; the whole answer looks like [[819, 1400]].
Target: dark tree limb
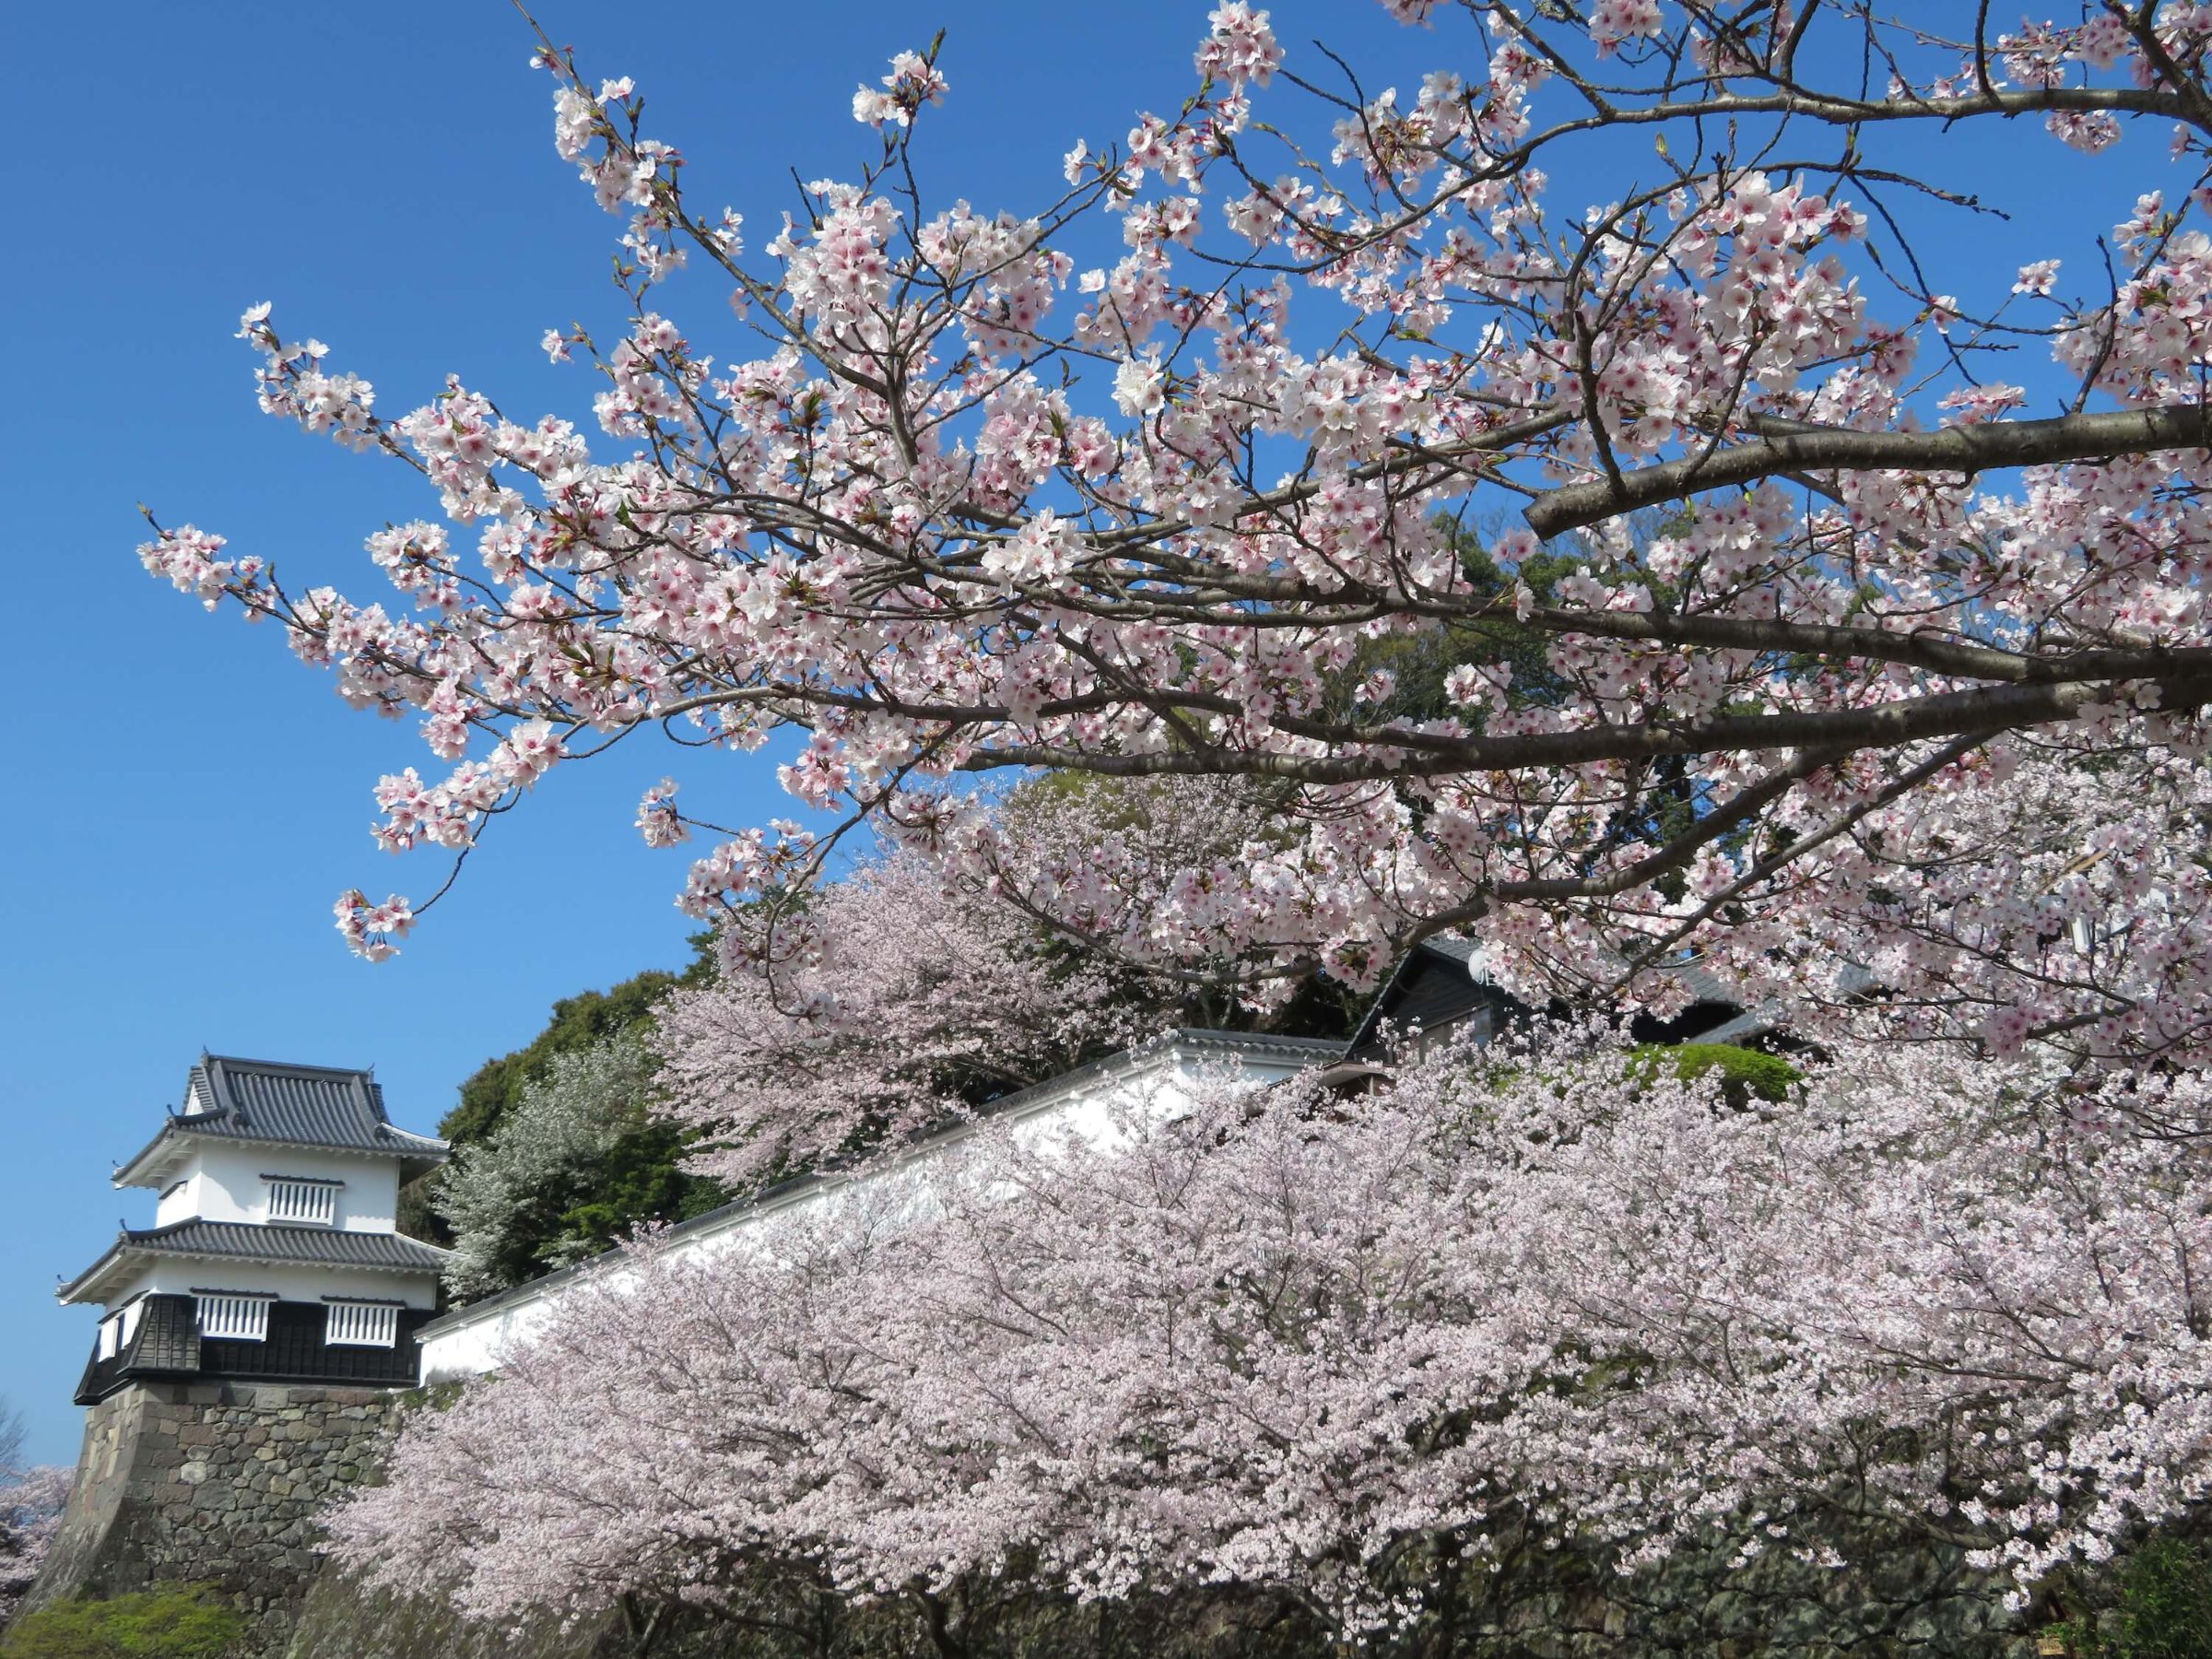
[[1877, 725], [1965, 450], [1932, 651]]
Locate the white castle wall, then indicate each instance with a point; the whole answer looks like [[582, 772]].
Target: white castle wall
[[173, 1276], [1152, 1084]]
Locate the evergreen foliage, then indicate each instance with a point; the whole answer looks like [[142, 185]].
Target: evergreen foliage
[[628, 1176], [1746, 1074], [2164, 1608], [170, 1621], [573, 1166], [2166, 1602], [1418, 663]]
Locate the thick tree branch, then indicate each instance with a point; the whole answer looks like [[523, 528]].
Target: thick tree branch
[[1879, 726], [1966, 450], [1933, 653]]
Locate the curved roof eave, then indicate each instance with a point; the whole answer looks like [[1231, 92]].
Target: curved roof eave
[[257, 1243]]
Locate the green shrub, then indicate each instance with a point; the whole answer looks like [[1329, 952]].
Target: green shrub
[[1745, 1073], [2165, 1608], [170, 1621]]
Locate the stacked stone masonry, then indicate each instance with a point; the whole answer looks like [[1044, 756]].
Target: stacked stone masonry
[[227, 1481], [219, 1481]]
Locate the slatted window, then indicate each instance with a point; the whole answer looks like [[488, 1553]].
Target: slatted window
[[303, 1203], [362, 1324], [226, 1316]]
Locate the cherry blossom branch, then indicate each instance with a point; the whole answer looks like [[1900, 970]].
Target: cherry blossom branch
[[1963, 450]]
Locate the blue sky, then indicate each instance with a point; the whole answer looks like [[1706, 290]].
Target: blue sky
[[188, 799]]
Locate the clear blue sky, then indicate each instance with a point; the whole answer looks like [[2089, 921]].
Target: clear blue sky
[[188, 799]]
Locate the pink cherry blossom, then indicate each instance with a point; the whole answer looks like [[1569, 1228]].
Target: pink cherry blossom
[[1806, 573], [887, 1007], [1285, 1338], [31, 1504]]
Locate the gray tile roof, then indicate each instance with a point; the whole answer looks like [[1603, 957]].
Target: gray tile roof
[[1199, 1041], [1461, 953], [253, 1242], [1702, 985], [1705, 986], [326, 1246], [1699, 982], [333, 1108], [1446, 945], [308, 1105]]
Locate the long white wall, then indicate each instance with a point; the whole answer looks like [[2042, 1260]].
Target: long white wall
[[1152, 1084]]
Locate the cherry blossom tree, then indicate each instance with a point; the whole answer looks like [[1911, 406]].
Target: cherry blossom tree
[[1291, 1340], [32, 1501], [966, 491], [891, 1003]]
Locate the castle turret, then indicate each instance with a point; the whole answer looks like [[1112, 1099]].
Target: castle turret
[[276, 1253]]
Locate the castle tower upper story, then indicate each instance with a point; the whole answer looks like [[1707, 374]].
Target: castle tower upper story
[[274, 1253]]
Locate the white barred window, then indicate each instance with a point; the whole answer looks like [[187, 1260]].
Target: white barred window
[[233, 1316], [301, 1201], [362, 1324], [111, 1331]]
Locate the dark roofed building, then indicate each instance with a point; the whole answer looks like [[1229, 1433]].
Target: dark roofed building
[[274, 1103], [1439, 987]]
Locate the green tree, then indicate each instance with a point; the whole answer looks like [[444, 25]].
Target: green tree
[[1746, 1075], [569, 1170], [2162, 1605], [495, 1089]]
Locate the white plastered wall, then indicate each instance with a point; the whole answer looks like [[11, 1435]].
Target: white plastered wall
[[177, 1276], [1152, 1088], [230, 1184], [180, 1200]]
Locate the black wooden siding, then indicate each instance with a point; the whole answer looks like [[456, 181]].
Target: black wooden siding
[[168, 1343]]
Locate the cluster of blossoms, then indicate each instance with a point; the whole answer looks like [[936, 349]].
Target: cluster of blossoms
[[913, 82], [31, 1504], [900, 997], [886, 1006], [1288, 1339], [1242, 50], [1786, 558], [372, 930]]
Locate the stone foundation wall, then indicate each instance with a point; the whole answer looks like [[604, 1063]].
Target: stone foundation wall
[[340, 1619], [227, 1481], [215, 1482]]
